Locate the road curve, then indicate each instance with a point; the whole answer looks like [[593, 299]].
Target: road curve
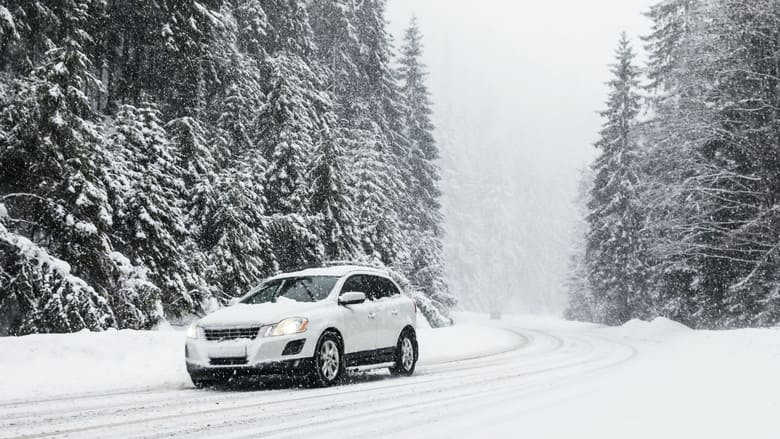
[[372, 404]]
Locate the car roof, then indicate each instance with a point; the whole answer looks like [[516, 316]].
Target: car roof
[[335, 270]]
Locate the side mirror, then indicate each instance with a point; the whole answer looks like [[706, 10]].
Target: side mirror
[[352, 298], [233, 301]]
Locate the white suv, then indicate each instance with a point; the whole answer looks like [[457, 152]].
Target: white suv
[[313, 323]]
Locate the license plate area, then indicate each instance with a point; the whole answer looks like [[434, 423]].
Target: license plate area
[[226, 349]]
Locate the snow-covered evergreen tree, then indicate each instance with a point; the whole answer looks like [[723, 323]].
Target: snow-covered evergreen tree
[[331, 199], [9, 37], [667, 160], [382, 128], [56, 210], [666, 44], [237, 249], [338, 48], [581, 303], [252, 25], [287, 125], [146, 184], [730, 110], [616, 268], [287, 131], [199, 167], [425, 265], [183, 150]]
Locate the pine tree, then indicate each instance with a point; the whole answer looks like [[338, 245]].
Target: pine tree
[[614, 255], [252, 25], [382, 128], [287, 130], [425, 269], [338, 47], [8, 35], [146, 183], [52, 192], [180, 151], [581, 303], [341, 50], [667, 162], [735, 252], [199, 166], [31, 29], [666, 44], [331, 201], [237, 96], [712, 166], [237, 248], [287, 125], [288, 28]]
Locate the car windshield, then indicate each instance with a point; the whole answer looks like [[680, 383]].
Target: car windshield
[[299, 289]]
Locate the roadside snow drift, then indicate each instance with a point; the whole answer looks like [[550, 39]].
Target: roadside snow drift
[[40, 366], [535, 377]]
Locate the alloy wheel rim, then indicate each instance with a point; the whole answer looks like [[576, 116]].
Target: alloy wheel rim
[[329, 360], [407, 353]]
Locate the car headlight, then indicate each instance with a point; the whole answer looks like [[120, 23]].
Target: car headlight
[[195, 331], [292, 325]]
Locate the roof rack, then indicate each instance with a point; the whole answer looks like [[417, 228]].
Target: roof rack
[[375, 266]]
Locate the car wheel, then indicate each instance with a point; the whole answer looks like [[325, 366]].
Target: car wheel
[[201, 383], [405, 354], [329, 364]]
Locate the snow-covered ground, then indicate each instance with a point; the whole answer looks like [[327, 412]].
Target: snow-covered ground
[[55, 365], [523, 376]]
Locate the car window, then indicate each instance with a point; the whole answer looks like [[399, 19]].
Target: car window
[[388, 288], [374, 287], [263, 293], [299, 289], [355, 283], [374, 284], [307, 288], [383, 287]]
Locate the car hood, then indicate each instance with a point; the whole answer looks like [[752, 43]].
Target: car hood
[[261, 314]]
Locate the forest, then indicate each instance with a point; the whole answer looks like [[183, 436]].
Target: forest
[[159, 157], [681, 211]]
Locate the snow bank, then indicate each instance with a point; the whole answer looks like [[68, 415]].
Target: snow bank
[[464, 341], [45, 365], [679, 383], [37, 366], [683, 383], [657, 329]]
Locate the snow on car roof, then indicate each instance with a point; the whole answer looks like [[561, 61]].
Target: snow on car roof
[[336, 270]]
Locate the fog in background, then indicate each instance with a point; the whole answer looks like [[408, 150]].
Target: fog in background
[[516, 87]]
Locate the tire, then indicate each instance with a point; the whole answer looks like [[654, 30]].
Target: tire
[[329, 364], [201, 383], [406, 354]]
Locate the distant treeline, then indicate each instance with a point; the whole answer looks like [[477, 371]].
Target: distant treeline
[[158, 157], [683, 210]]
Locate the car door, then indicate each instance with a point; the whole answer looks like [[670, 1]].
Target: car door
[[360, 322], [401, 311], [387, 311]]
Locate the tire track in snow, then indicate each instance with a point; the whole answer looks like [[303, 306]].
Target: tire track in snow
[[24, 413], [547, 353], [383, 420], [73, 411]]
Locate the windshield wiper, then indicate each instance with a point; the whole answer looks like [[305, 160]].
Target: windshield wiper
[[308, 291]]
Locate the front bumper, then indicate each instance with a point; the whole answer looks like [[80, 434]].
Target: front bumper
[[262, 356], [287, 368]]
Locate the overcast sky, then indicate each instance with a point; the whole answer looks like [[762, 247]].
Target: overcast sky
[[534, 68], [517, 85]]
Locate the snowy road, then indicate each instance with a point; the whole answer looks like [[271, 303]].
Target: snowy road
[[543, 368]]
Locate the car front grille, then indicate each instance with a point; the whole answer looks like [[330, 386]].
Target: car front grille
[[229, 361], [231, 333]]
